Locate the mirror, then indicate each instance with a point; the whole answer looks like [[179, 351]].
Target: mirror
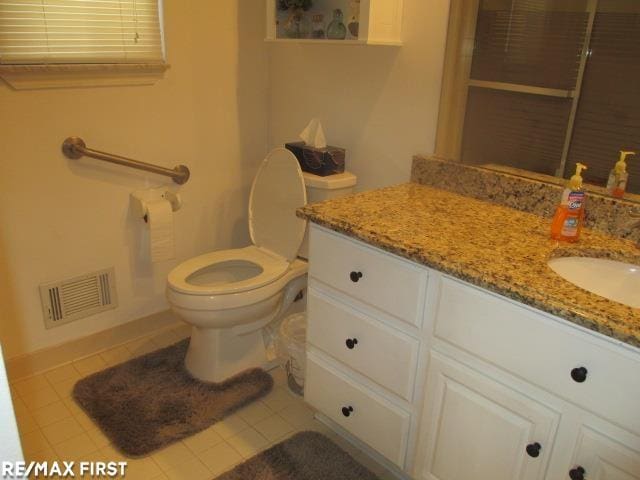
[[534, 86]]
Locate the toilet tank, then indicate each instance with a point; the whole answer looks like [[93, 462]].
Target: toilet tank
[[325, 188]]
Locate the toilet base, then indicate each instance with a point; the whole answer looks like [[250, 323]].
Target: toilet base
[[217, 354]]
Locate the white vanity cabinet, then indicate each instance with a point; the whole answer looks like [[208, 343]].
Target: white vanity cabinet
[[513, 393], [448, 381], [365, 310]]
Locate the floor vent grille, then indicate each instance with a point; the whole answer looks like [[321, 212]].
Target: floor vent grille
[[78, 297]]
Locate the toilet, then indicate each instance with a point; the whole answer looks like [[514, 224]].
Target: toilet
[[228, 296]]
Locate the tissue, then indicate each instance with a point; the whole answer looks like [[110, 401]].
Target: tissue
[[313, 134], [313, 153]]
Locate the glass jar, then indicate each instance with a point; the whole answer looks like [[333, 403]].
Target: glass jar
[[297, 24], [317, 26], [336, 29]]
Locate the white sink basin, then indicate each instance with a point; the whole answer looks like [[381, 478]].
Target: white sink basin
[[613, 280]]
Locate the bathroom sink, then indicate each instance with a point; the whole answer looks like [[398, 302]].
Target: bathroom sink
[[616, 281]]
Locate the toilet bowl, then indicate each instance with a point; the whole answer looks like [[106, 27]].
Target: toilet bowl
[[228, 296]]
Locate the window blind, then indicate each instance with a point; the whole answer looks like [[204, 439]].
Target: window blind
[[608, 116], [80, 31], [530, 42]]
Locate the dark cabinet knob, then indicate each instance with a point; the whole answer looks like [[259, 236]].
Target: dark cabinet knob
[[533, 450], [355, 276], [346, 411], [579, 374], [577, 473], [351, 343]]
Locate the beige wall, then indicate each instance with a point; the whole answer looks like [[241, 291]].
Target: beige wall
[[62, 218], [381, 103]]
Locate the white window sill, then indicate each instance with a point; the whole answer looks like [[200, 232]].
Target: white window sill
[[28, 77]]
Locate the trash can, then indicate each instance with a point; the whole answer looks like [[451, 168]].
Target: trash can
[[293, 333]]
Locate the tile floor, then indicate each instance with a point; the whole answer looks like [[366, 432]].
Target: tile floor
[[53, 427]]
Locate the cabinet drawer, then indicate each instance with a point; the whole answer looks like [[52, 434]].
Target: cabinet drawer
[[391, 284], [366, 345], [371, 418], [542, 351]]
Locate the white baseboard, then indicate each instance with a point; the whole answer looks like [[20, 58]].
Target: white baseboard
[[41, 360]]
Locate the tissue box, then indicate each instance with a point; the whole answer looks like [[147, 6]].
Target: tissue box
[[319, 161]]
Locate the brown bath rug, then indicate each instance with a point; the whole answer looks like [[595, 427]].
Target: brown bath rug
[[305, 456], [151, 401]]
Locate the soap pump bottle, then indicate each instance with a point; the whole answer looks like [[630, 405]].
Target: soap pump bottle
[[567, 221], [617, 183]]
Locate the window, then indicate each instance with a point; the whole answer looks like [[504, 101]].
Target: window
[[540, 85], [80, 32]]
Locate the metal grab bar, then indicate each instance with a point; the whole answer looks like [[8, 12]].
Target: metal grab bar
[[75, 148]]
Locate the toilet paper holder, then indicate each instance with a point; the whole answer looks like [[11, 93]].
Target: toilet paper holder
[[140, 198]]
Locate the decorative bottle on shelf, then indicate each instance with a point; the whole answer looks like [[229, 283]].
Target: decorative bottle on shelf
[[317, 27], [297, 24], [336, 29]]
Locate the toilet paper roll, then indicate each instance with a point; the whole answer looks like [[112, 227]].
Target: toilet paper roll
[[160, 218]]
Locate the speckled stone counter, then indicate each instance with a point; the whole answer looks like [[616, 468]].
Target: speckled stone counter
[[495, 247]]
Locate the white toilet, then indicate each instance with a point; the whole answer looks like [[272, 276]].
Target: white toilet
[[228, 296]]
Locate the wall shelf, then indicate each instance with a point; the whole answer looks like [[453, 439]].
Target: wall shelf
[[380, 23]]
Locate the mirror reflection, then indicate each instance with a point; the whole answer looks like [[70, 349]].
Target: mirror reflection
[[535, 86]]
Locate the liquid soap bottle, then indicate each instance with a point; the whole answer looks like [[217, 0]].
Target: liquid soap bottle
[[617, 183], [567, 221]]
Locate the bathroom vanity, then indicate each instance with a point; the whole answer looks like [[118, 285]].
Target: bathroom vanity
[[441, 341]]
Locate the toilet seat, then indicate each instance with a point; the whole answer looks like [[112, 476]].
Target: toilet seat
[[271, 266], [277, 191]]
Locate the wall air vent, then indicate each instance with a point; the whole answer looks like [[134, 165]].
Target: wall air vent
[[78, 297]]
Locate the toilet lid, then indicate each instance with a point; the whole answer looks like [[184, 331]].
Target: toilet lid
[[277, 191]]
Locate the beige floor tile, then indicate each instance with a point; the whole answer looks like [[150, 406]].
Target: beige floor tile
[[115, 355], [142, 469], [99, 438], [183, 331], [89, 365], [40, 398], [85, 421], [62, 430], [45, 455], [279, 376], [76, 448], [230, 426], [64, 372], [248, 442], [73, 407], [220, 458], [33, 442], [279, 398], [201, 441], [192, 470], [141, 346], [164, 338], [254, 412], [173, 456], [109, 454], [273, 428], [26, 423], [29, 385], [297, 414], [51, 413], [64, 387]]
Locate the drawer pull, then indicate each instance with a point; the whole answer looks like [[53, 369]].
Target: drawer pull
[[577, 473], [533, 450], [579, 374], [351, 343], [346, 411], [355, 276]]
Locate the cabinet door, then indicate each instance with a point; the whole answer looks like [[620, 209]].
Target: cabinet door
[[481, 429], [605, 456]]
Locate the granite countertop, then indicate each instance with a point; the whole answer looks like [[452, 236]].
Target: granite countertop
[[495, 247]]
